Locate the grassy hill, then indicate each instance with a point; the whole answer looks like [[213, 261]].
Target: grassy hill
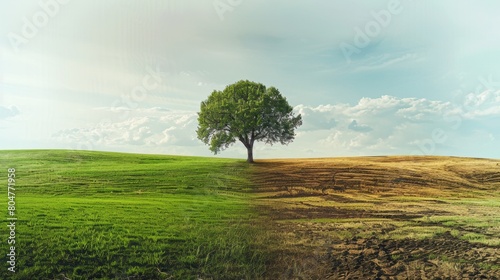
[[96, 215], [92, 215]]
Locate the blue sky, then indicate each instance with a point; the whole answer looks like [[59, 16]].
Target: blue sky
[[369, 77]]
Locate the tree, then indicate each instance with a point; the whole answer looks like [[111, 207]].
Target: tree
[[247, 112]]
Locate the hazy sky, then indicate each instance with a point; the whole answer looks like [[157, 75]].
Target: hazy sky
[[369, 77]]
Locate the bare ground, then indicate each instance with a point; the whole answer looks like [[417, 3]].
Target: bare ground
[[381, 217]]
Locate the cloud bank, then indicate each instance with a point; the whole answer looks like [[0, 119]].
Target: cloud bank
[[384, 125]]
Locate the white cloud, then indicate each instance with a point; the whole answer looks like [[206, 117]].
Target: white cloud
[[383, 61], [359, 127], [390, 125], [483, 104], [8, 112], [143, 128]]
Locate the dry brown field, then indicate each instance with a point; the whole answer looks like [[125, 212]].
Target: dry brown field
[[396, 217]]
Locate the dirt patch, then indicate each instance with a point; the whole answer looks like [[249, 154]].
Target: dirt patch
[[442, 257]]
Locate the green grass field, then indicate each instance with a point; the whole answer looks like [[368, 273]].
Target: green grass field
[[96, 215]]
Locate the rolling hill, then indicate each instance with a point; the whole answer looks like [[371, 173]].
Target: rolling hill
[[99, 215], [96, 215]]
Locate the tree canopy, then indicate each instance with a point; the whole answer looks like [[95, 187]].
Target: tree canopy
[[246, 111]]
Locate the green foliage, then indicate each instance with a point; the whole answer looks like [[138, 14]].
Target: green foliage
[[93, 215], [247, 112]]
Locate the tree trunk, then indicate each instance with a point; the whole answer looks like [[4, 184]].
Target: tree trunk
[[250, 155]]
